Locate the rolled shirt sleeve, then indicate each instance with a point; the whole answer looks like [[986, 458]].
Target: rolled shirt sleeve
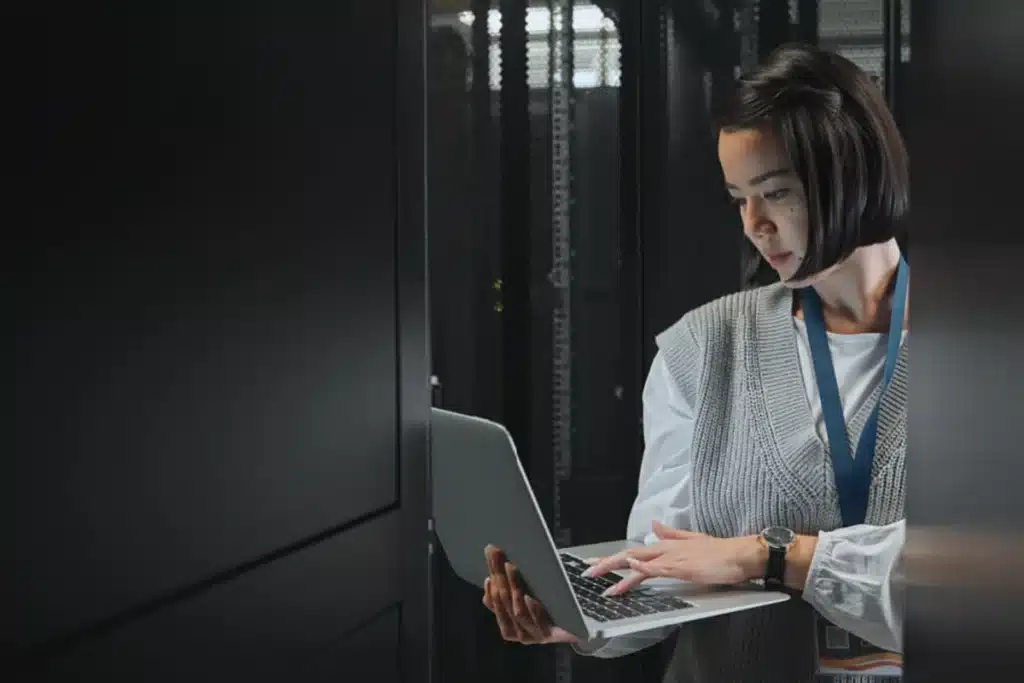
[[855, 581]]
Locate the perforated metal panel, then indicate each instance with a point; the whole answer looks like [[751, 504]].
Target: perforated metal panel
[[855, 29], [596, 49]]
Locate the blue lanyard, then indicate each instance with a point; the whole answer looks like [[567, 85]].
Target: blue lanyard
[[852, 475]]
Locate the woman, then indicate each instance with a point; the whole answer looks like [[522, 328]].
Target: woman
[[775, 418]]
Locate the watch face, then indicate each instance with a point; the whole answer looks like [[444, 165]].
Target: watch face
[[778, 536]]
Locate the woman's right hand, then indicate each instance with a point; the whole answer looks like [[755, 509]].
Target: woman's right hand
[[521, 619]]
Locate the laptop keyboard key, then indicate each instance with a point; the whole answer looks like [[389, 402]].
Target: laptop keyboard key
[[600, 608]]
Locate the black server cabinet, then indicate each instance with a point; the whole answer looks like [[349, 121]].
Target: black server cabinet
[[216, 354]]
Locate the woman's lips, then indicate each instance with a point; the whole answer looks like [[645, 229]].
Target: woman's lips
[[778, 259]]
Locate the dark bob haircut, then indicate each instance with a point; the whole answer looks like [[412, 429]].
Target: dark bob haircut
[[841, 140]]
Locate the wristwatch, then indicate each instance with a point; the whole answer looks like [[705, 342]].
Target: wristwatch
[[778, 539]]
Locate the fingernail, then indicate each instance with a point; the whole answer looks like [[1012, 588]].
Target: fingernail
[[587, 573], [610, 591]]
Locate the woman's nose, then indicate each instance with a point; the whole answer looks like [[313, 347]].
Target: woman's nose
[[755, 220]]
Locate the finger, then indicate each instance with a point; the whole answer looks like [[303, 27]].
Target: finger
[[506, 625], [607, 564], [515, 591], [665, 532], [560, 635], [495, 559], [492, 602], [537, 622], [501, 594], [537, 612], [488, 552], [604, 565], [500, 589], [488, 602], [528, 625], [653, 568], [530, 630], [626, 584], [551, 634], [621, 560], [679, 569], [540, 622]]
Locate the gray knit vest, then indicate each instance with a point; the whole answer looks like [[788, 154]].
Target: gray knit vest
[[758, 461]]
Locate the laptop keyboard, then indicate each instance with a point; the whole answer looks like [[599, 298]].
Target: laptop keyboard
[[635, 603]]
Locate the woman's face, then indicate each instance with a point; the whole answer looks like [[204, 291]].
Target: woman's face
[[769, 195]]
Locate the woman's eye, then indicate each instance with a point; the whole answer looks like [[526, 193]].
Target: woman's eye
[[776, 195], [737, 201]]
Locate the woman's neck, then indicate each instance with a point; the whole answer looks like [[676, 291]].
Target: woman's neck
[[856, 294]]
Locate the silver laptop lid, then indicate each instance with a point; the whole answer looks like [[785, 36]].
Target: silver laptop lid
[[481, 495]]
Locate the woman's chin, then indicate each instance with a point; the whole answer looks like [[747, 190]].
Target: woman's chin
[[787, 279]]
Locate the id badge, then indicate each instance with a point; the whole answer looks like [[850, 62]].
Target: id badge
[[840, 652]]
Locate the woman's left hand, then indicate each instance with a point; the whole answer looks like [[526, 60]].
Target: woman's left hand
[[688, 556]]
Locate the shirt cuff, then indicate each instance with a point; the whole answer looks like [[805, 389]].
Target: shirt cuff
[[850, 582]]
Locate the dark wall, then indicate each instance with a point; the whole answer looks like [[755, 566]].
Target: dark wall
[[214, 442]]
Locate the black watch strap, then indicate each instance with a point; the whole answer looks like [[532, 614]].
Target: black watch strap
[[778, 539], [775, 571]]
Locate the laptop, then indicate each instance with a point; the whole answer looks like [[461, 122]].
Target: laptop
[[481, 496]]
